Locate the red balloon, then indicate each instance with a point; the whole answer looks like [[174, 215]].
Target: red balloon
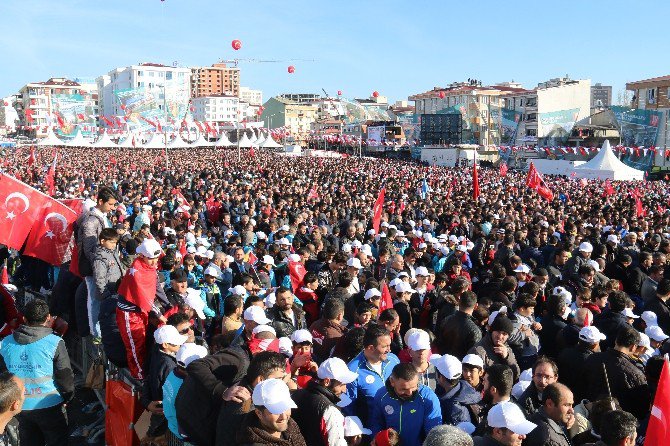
[[375, 94], [236, 44], [291, 69], [339, 92], [442, 95]]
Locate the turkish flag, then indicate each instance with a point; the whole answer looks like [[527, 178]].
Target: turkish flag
[[31, 158], [76, 204], [386, 300], [20, 205], [296, 271], [213, 209], [138, 286], [51, 234], [533, 179], [475, 182], [50, 179], [379, 207], [608, 190], [658, 431], [503, 169]]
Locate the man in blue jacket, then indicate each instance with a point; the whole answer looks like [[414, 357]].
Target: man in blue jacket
[[373, 365], [458, 400], [404, 405]]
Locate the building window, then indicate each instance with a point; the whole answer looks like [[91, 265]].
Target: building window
[[651, 95], [139, 73]]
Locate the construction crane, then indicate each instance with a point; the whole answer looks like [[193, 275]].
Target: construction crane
[[235, 62]]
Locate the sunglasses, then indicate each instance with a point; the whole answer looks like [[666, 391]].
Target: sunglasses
[[185, 330]]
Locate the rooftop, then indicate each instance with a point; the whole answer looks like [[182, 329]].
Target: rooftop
[[651, 80]]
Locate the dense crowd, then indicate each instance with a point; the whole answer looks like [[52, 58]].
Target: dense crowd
[[254, 302]]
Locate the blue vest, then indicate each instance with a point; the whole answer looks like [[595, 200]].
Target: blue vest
[[34, 363], [171, 387]]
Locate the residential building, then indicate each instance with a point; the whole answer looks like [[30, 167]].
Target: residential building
[[292, 111], [216, 80], [223, 110], [143, 91], [649, 96], [250, 96], [560, 103], [601, 96], [58, 101]]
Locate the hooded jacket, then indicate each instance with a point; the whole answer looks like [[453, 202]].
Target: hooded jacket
[[412, 418], [107, 271], [484, 349], [50, 370], [252, 434], [456, 405], [320, 420]]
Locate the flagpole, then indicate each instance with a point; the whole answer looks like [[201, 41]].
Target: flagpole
[[165, 129]]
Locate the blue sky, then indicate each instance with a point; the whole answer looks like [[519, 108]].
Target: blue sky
[[395, 47]]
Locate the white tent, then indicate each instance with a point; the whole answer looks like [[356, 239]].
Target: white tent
[[104, 141], [270, 143], [223, 141], [245, 142], [157, 141], [201, 142], [253, 139], [606, 165], [78, 141], [50, 140], [260, 140], [179, 143], [128, 142]]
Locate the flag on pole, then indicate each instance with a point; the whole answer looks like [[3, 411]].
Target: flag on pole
[[50, 179], [658, 431], [475, 181], [536, 182], [386, 301], [20, 205], [503, 169], [377, 210]]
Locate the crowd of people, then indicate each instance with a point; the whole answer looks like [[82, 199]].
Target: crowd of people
[[254, 301]]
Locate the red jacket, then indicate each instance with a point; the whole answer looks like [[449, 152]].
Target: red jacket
[[310, 303]]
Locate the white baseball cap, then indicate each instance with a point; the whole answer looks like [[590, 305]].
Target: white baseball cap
[[273, 394], [149, 248], [270, 300], [475, 360], [300, 336], [403, 287], [508, 415], [211, 271], [354, 426], [354, 263], [261, 235], [453, 239], [523, 268], [519, 388], [285, 228], [335, 368], [268, 260], [422, 271], [256, 314], [629, 313], [194, 301], [284, 242], [645, 342], [466, 427], [367, 250], [372, 293], [649, 318], [462, 248], [656, 333], [346, 247], [418, 340], [449, 366], [169, 334], [356, 244], [593, 264], [263, 328], [422, 245], [526, 375], [189, 352], [238, 290], [586, 247], [591, 334], [394, 282], [613, 238]]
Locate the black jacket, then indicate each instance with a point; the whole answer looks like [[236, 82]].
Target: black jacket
[[551, 326], [571, 366], [312, 403], [112, 343], [609, 323], [530, 400], [201, 395], [547, 432], [161, 365], [284, 325], [458, 334], [231, 416]]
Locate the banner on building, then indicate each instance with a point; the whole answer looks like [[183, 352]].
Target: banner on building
[[74, 109], [142, 104], [554, 127], [376, 135], [637, 127], [508, 124]]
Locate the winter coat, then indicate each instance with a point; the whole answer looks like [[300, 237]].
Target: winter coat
[[325, 335], [112, 343], [571, 363], [160, 366], [484, 349], [231, 416], [609, 323], [363, 389], [318, 416], [662, 311], [251, 433], [547, 432], [459, 404], [89, 225], [458, 334], [283, 324], [530, 400], [107, 271]]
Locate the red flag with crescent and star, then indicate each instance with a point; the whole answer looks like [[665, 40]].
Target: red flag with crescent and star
[[138, 286], [51, 234], [377, 210], [20, 206]]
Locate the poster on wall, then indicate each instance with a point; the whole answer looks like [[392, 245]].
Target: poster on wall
[[637, 127], [554, 127], [142, 107], [75, 110], [376, 136], [509, 124]]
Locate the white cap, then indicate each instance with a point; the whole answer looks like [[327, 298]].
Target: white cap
[[453, 238], [346, 247], [403, 287], [211, 271], [394, 282], [270, 300], [256, 314], [284, 241], [294, 258], [422, 271], [475, 360], [613, 238], [149, 248], [169, 334], [189, 352], [423, 245], [526, 375], [656, 333], [335, 368], [354, 263], [230, 258], [191, 250], [354, 426], [418, 340], [384, 224], [356, 244], [285, 228], [426, 221], [509, 416], [367, 250], [268, 260], [238, 290], [261, 235], [201, 251], [560, 291], [645, 342], [629, 313], [285, 346], [519, 388], [194, 301], [372, 293], [591, 334], [592, 263], [449, 366], [264, 329], [463, 248], [649, 318], [273, 394], [300, 336], [371, 232], [402, 274], [523, 268], [586, 247], [209, 254]]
